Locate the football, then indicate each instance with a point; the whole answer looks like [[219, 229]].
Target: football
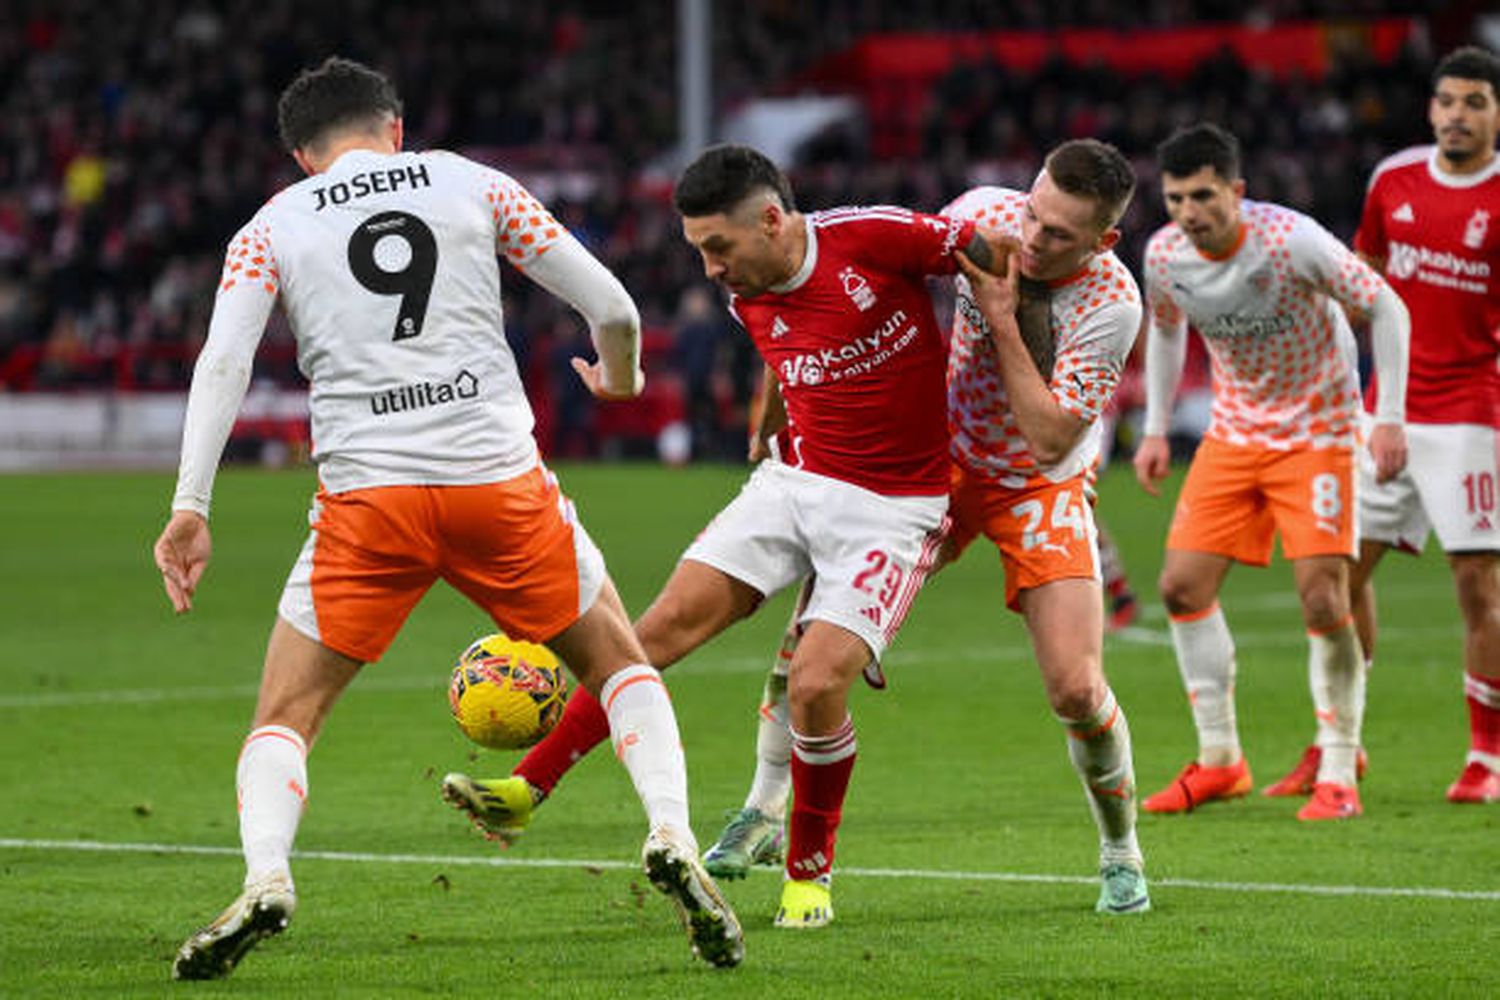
[[506, 694]]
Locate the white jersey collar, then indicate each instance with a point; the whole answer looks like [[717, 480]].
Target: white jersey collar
[[1448, 180], [809, 261]]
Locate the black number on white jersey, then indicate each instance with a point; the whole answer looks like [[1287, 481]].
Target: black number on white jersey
[[413, 282]]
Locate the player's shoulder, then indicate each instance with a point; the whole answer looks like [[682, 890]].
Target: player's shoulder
[[1167, 240], [852, 218], [1270, 216], [1412, 160], [1111, 280], [987, 204]]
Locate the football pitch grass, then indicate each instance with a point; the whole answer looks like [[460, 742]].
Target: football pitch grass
[[966, 861]]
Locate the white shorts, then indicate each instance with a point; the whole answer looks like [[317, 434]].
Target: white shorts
[[1449, 486], [869, 553]]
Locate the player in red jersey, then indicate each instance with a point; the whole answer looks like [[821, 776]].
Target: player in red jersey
[[837, 304], [1431, 224]]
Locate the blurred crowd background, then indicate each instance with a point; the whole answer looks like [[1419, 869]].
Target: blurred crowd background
[[136, 137]]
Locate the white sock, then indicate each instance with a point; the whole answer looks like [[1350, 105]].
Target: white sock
[[1336, 675], [772, 785], [1099, 747], [643, 729], [271, 783], [1205, 656]]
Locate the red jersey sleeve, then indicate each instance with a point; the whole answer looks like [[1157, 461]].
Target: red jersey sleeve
[[908, 242], [1369, 238]]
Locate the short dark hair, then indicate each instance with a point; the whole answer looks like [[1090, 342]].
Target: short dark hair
[[724, 176], [339, 94], [1096, 170], [1469, 63], [1190, 149]]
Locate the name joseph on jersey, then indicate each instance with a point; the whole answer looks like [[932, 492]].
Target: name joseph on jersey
[[371, 182]]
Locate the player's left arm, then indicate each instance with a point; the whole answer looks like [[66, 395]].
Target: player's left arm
[[528, 236], [1351, 281], [221, 377], [1051, 430]]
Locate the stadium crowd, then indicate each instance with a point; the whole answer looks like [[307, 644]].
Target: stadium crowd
[[137, 136]]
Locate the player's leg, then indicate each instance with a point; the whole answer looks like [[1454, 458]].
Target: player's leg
[[1336, 677], [1220, 519], [1123, 606], [301, 681], [612, 666], [372, 567], [871, 555], [1476, 576], [697, 603], [1189, 584], [1303, 776], [517, 552], [1065, 621], [754, 834], [826, 661]]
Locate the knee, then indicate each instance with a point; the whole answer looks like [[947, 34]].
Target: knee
[[1478, 585], [816, 699], [1180, 594], [1079, 698], [1325, 603]]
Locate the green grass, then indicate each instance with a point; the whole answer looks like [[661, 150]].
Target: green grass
[[120, 724]]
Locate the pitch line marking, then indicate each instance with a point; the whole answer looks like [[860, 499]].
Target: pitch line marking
[[1134, 635], [357, 857]]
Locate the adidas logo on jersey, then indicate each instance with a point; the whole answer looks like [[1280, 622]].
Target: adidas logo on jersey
[[1404, 213], [779, 328], [873, 613], [419, 395]]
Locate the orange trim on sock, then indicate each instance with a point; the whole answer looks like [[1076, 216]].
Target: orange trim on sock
[[1344, 623], [1099, 730], [1193, 616], [264, 733], [653, 676]]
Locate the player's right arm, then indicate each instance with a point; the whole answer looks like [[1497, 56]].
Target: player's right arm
[[1166, 349], [769, 418], [576, 276], [532, 240], [221, 376]]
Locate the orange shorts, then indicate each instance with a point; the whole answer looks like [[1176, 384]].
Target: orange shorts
[[514, 548], [1235, 500], [1044, 530]]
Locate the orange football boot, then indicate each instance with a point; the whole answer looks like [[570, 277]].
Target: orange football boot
[[1197, 784]]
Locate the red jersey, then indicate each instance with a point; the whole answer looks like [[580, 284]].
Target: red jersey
[[1439, 235], [857, 350]]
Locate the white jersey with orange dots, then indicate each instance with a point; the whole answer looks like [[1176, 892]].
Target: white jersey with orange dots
[[387, 268], [1283, 356], [1095, 317]]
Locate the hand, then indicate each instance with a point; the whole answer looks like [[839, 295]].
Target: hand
[[760, 449], [593, 377], [1388, 446], [1153, 460], [182, 554], [996, 294]]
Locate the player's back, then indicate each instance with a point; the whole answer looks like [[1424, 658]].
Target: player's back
[[386, 266]]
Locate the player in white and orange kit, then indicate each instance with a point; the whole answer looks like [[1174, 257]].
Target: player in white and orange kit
[[1024, 411], [385, 263], [1263, 285], [1431, 224], [837, 304]]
